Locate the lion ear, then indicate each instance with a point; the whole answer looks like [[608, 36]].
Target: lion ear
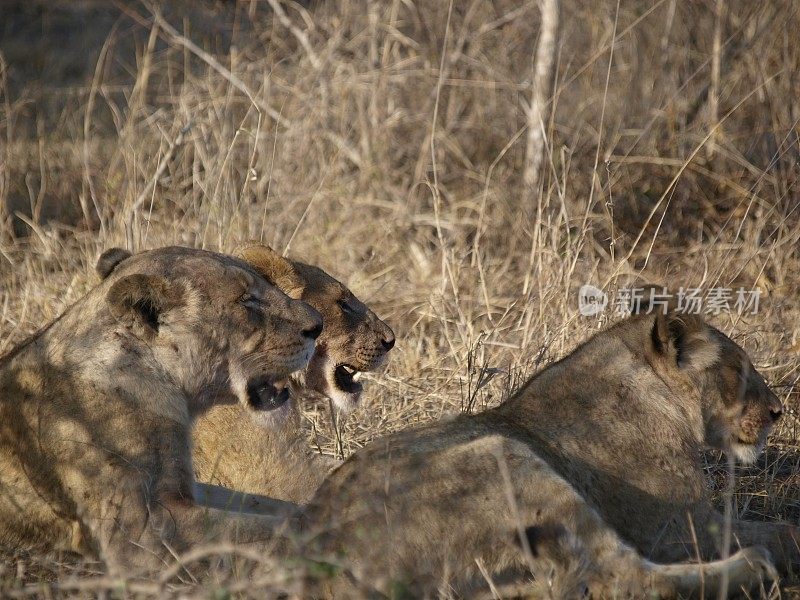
[[685, 340], [139, 302], [109, 260], [275, 268]]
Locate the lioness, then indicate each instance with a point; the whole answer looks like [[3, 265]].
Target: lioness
[[95, 409], [606, 439], [250, 451]]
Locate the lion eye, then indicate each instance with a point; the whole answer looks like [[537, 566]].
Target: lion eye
[[346, 306], [249, 300]]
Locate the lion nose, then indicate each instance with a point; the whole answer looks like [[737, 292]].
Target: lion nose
[[310, 321], [388, 343], [313, 331], [775, 408]]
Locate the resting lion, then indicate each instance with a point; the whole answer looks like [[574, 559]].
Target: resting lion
[[594, 457], [251, 452], [95, 409]]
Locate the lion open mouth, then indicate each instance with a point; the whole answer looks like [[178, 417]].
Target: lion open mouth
[[346, 378], [266, 394]]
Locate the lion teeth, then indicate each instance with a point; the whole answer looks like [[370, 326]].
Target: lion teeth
[[357, 376]]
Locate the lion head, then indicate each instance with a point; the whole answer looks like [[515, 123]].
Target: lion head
[[354, 339], [214, 319], [742, 408], [738, 408]]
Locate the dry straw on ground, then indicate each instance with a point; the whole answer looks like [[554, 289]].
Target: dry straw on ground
[[315, 132]]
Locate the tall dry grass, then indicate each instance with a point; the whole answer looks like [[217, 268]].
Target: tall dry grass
[[369, 138]]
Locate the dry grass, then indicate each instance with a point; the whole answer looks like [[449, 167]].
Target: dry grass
[[324, 144]]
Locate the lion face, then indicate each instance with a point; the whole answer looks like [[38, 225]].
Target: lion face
[[738, 408], [742, 407], [212, 323], [354, 340]]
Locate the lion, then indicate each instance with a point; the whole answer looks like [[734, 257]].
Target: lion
[[96, 408], [591, 465], [264, 453]]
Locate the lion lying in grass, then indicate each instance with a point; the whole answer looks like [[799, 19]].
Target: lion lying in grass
[[594, 453], [95, 409], [263, 452]]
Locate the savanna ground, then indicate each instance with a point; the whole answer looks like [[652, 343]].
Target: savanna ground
[[385, 141]]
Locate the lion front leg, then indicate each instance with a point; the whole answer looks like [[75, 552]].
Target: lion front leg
[[194, 524], [782, 540], [234, 501], [743, 571], [137, 534], [127, 533], [141, 542]]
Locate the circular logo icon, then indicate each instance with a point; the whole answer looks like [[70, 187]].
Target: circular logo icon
[[591, 300]]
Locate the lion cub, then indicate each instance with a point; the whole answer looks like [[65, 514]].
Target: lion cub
[[594, 453], [261, 450], [96, 408]]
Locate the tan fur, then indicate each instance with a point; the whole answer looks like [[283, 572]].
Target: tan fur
[[602, 446], [95, 409], [239, 449]]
